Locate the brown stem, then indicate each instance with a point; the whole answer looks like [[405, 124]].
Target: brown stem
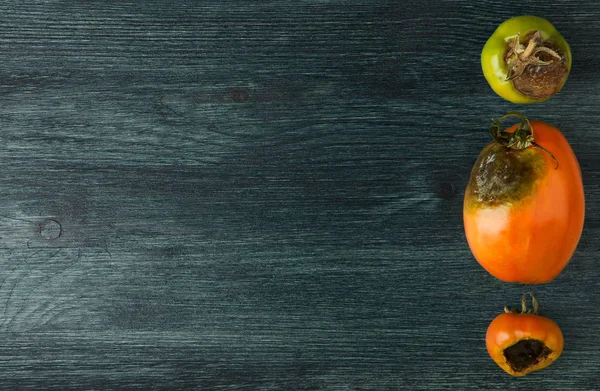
[[520, 56], [534, 303], [549, 51], [509, 311], [530, 47]]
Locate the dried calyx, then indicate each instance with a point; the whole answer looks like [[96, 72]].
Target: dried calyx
[[520, 139], [537, 68], [534, 306], [520, 56]]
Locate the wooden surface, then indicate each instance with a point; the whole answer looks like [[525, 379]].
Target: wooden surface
[[237, 195]]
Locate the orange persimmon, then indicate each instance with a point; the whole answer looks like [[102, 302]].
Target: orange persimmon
[[524, 205], [524, 342]]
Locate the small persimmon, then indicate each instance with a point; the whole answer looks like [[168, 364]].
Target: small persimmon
[[521, 343], [524, 205]]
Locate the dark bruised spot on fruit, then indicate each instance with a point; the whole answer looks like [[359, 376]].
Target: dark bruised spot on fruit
[[525, 354], [504, 176], [541, 81], [540, 72]]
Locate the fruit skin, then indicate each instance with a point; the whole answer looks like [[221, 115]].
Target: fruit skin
[[530, 237], [492, 56], [509, 328]]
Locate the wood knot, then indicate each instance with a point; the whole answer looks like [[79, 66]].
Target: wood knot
[[50, 229]]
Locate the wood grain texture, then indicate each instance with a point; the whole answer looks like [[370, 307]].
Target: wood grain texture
[[239, 196]]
